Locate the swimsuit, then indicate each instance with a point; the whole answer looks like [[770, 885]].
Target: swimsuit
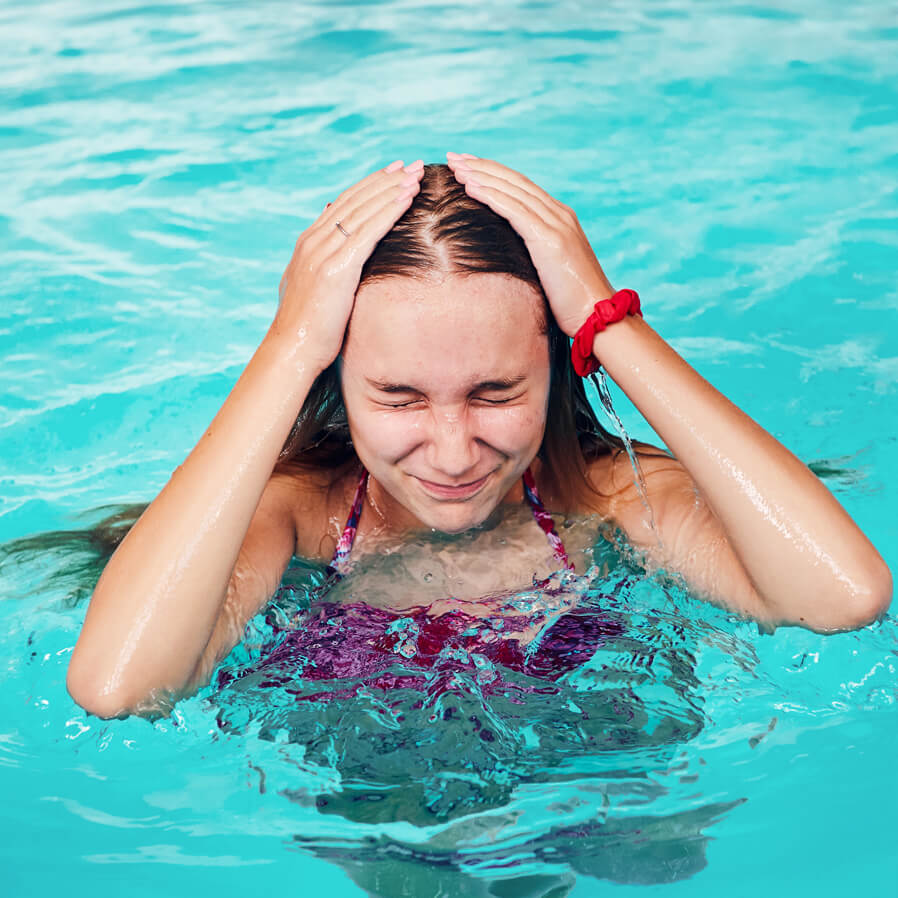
[[387, 649]]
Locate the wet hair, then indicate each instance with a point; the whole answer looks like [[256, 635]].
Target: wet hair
[[443, 232], [446, 232]]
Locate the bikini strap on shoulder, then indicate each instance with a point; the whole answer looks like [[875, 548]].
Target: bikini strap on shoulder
[[347, 538], [544, 519]]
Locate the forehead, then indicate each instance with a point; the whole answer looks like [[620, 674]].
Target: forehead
[[480, 325]]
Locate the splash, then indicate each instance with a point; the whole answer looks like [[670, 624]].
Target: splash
[[601, 385]]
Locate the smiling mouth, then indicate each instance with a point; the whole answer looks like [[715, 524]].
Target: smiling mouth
[[451, 493]]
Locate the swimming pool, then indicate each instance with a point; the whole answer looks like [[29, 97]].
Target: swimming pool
[[734, 163]]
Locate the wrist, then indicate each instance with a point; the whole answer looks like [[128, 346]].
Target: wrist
[[616, 338], [596, 294], [619, 307], [294, 348]]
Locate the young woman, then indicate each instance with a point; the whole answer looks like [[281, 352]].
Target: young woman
[[418, 378]]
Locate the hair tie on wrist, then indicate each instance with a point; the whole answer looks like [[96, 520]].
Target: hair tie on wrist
[[606, 311]]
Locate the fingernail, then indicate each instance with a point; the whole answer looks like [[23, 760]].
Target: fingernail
[[468, 156], [394, 166], [417, 165], [451, 155]]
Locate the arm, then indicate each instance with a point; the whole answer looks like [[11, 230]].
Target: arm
[[773, 541], [740, 516], [160, 600]]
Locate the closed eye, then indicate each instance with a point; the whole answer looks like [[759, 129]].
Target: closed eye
[[500, 400], [410, 402], [405, 404]]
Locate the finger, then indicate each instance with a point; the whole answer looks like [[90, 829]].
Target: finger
[[543, 204], [369, 222], [550, 215], [369, 185], [464, 163], [514, 205], [373, 176], [335, 252], [347, 210]]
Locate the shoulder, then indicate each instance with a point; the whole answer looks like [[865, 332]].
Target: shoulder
[[315, 501], [666, 506], [674, 528], [615, 488]]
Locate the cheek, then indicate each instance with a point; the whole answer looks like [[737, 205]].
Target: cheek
[[392, 436], [510, 430], [389, 436]]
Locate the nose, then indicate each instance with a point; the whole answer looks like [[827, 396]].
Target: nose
[[453, 448]]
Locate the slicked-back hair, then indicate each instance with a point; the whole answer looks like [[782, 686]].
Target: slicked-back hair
[[445, 232]]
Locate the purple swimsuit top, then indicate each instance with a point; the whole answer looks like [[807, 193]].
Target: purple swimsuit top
[[387, 649]]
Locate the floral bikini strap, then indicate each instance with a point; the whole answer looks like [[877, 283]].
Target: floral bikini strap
[[347, 538], [543, 518]]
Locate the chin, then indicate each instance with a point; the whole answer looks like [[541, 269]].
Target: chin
[[456, 518]]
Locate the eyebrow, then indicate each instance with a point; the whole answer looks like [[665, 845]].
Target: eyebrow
[[502, 383]]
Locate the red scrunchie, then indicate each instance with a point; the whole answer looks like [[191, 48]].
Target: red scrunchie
[[607, 311]]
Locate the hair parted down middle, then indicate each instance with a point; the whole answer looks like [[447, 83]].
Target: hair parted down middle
[[446, 232]]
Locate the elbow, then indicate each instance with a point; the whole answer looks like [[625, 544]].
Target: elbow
[[874, 601], [867, 603], [94, 700], [100, 701], [843, 610]]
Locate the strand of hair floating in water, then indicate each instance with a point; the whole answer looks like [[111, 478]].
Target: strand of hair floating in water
[[601, 385]]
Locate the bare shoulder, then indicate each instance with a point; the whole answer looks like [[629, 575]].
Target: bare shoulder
[[675, 528], [316, 500], [615, 485], [295, 516]]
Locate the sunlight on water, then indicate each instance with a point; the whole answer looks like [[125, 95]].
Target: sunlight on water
[[733, 163]]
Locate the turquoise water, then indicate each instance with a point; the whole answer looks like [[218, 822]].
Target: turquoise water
[[734, 163]]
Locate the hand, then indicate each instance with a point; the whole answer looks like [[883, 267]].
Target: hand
[[318, 288], [567, 266]]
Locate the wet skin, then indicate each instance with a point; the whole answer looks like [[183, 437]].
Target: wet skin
[[446, 399]]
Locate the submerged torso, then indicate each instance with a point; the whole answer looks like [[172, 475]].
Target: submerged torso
[[505, 555], [444, 603]]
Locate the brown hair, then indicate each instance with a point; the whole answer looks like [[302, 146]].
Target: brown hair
[[445, 231]]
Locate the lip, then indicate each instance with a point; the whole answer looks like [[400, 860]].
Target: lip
[[453, 493]]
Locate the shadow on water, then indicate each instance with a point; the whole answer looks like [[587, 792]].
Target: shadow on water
[[641, 850]]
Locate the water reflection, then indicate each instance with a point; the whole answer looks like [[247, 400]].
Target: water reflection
[[640, 850]]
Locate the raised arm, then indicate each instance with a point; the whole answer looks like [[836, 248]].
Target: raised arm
[[744, 520], [739, 515], [161, 597]]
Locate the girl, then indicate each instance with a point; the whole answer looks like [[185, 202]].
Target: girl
[[418, 377]]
